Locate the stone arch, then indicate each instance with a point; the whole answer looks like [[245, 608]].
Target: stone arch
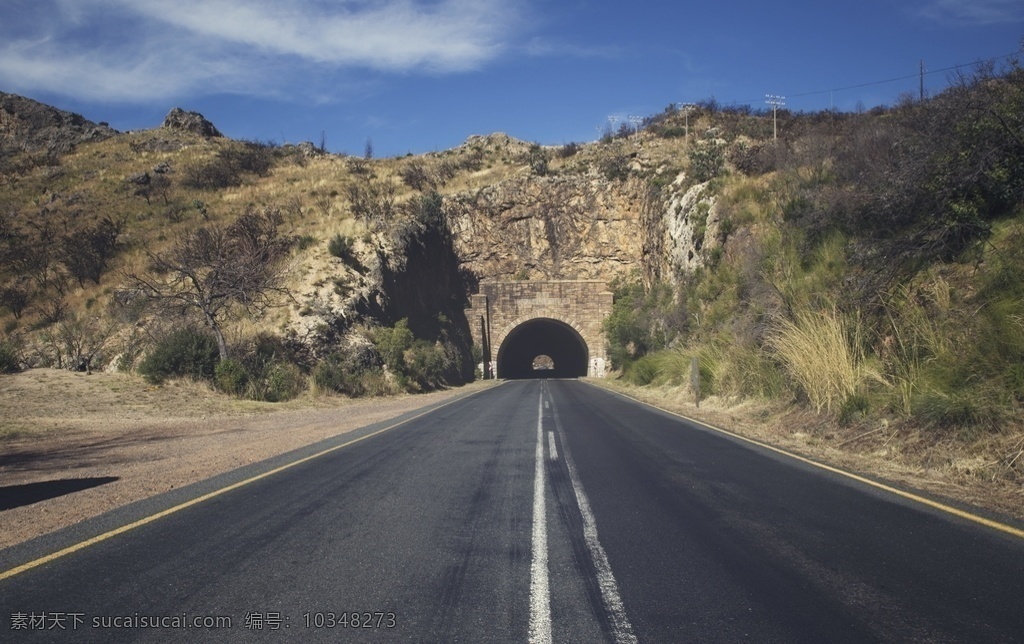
[[499, 339], [526, 338], [577, 307]]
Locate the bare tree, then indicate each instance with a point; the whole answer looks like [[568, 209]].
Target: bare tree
[[217, 269]]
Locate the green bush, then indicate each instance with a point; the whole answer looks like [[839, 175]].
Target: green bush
[[231, 377], [265, 369], [971, 411], [10, 357], [426, 366], [339, 374], [392, 344], [330, 375], [707, 160], [185, 353], [643, 371], [283, 381], [642, 321]]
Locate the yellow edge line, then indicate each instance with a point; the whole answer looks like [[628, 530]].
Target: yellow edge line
[[995, 525], [206, 497]]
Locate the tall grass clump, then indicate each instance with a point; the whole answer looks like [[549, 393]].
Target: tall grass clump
[[742, 369], [917, 342], [821, 351]]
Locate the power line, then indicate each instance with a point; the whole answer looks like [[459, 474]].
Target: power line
[[890, 80]]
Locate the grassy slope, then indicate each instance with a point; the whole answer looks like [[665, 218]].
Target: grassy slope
[[923, 367]]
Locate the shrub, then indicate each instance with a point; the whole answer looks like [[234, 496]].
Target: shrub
[[184, 353], [344, 375], [427, 366], [283, 382], [269, 367], [392, 344], [643, 371], [215, 174], [741, 368], [341, 247], [971, 411], [330, 375], [642, 321], [568, 150], [416, 175], [231, 377], [707, 160], [537, 159], [615, 167], [10, 357], [226, 169], [16, 298]]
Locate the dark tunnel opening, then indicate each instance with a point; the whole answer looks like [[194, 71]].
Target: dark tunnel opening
[[543, 337]]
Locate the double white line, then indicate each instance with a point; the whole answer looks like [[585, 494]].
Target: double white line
[[540, 596]]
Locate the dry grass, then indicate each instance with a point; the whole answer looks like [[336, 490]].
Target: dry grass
[[822, 352]]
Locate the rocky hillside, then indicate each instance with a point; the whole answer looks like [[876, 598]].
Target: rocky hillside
[[716, 236], [30, 126]]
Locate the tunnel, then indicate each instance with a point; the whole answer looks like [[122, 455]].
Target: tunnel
[[543, 337]]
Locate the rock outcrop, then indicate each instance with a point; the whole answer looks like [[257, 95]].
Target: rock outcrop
[[691, 227], [30, 126], [564, 227], [194, 122]]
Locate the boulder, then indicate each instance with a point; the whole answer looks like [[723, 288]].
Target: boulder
[[194, 122]]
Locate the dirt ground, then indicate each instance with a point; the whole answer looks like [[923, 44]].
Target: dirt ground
[[64, 430], [128, 440]]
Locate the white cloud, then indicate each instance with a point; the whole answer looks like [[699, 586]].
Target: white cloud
[[975, 12], [141, 50], [396, 35]]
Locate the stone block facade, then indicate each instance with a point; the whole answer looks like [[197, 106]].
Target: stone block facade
[[499, 307]]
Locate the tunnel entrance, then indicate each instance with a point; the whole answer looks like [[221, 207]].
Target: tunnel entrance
[[563, 347]]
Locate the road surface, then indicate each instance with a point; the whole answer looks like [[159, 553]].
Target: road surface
[[533, 511]]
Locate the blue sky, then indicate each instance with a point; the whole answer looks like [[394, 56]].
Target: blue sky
[[422, 75]]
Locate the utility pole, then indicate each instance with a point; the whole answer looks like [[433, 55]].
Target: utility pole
[[922, 80], [776, 102], [687, 108], [636, 121]]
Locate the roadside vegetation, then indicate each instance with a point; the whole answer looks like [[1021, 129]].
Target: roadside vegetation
[[174, 255], [868, 267]]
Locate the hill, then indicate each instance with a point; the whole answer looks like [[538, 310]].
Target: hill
[[863, 268]]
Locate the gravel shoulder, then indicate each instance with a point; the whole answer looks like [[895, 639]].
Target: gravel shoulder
[[131, 440]]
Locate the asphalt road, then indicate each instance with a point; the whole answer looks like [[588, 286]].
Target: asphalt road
[[533, 511]]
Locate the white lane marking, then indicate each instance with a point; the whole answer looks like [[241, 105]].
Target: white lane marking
[[622, 630], [540, 595], [552, 448]]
